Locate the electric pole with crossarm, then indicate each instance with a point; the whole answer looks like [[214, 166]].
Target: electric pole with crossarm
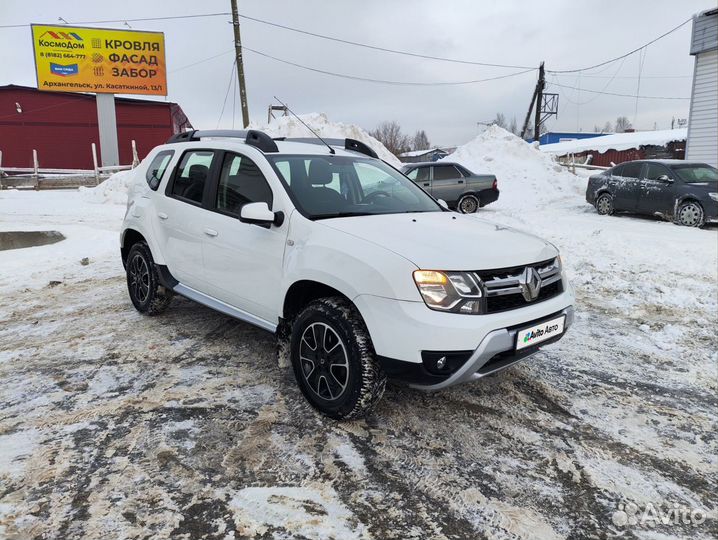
[[240, 64]]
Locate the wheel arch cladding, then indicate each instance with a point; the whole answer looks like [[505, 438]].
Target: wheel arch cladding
[[301, 292], [129, 238]]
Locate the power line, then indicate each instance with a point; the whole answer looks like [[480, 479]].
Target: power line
[[231, 78], [623, 55], [383, 81], [615, 94], [140, 19], [383, 49], [201, 61]]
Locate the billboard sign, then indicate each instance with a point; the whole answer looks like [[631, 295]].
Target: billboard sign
[[78, 59]]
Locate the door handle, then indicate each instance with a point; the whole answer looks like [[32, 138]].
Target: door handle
[[461, 181], [162, 215], [210, 232], [427, 185]]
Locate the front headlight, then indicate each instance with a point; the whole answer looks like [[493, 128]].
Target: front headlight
[[713, 196], [455, 292]]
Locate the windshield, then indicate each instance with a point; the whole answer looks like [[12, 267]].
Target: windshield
[[697, 174], [339, 186]]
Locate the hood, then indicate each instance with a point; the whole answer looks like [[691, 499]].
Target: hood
[[447, 240]]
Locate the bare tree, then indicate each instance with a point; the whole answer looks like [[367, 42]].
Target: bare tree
[[622, 124], [500, 120], [391, 136], [514, 126], [420, 141], [607, 128]]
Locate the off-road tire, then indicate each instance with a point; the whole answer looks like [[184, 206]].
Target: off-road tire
[[690, 214], [468, 204], [146, 292], [604, 204], [364, 382]]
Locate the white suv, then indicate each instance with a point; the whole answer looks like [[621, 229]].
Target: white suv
[[358, 270]]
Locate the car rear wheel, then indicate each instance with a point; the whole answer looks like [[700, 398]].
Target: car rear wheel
[[468, 204], [690, 214], [146, 292], [334, 361], [604, 204]]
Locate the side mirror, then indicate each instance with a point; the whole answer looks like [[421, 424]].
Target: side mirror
[[258, 213], [665, 178], [443, 204]]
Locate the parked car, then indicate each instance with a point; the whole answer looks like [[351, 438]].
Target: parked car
[[360, 273], [685, 192], [460, 188]]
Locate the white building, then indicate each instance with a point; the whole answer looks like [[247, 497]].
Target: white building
[[702, 141]]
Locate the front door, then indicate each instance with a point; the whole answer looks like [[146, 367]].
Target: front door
[[657, 190], [421, 177], [180, 217], [243, 262], [447, 183]]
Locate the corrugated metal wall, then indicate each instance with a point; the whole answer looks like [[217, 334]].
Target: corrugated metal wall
[[62, 127], [702, 142]]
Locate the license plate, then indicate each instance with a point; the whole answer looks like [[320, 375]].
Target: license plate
[[533, 335]]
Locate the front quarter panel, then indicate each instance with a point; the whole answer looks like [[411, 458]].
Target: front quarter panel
[[349, 264]]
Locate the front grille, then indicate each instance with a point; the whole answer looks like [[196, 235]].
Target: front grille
[[504, 288]]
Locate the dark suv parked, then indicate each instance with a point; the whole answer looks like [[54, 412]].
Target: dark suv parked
[[682, 191]]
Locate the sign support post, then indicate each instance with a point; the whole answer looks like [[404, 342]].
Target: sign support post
[[107, 126]]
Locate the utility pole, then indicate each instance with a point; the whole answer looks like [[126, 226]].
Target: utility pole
[[533, 102], [539, 99], [240, 64]]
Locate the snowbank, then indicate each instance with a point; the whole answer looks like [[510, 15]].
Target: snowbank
[[526, 177], [617, 141], [288, 126], [111, 191]]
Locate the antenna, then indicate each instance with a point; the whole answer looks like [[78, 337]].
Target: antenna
[[331, 150]]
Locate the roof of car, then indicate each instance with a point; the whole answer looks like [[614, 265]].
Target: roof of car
[[665, 162], [427, 163]]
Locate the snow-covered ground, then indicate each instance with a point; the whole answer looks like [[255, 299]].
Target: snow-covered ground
[[114, 425]]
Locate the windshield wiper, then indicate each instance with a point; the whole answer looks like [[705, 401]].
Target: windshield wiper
[[343, 214]]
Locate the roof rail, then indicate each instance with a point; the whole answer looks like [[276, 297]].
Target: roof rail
[[196, 135], [348, 144], [251, 137]]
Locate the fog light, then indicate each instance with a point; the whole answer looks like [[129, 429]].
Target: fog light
[[441, 362]]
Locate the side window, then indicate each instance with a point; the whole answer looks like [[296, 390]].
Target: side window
[[412, 174], [445, 172], [422, 174], [654, 171], [617, 170], [632, 170], [191, 175], [241, 182], [157, 168]]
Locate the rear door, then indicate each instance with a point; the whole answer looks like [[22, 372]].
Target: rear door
[[626, 186], [180, 216], [657, 190], [421, 177], [447, 183]]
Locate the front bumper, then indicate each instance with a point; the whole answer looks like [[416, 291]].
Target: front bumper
[[401, 330], [495, 352]]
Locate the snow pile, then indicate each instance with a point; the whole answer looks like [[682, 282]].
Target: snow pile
[[617, 141], [111, 191], [526, 177], [288, 126]]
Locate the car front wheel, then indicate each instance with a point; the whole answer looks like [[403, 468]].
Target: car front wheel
[[468, 204], [334, 360], [690, 214], [604, 204], [146, 292]]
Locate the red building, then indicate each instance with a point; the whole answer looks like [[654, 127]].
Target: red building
[[62, 127]]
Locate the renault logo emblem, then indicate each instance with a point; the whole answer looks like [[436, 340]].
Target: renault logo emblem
[[530, 284]]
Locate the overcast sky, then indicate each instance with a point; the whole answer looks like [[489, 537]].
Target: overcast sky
[[565, 33]]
